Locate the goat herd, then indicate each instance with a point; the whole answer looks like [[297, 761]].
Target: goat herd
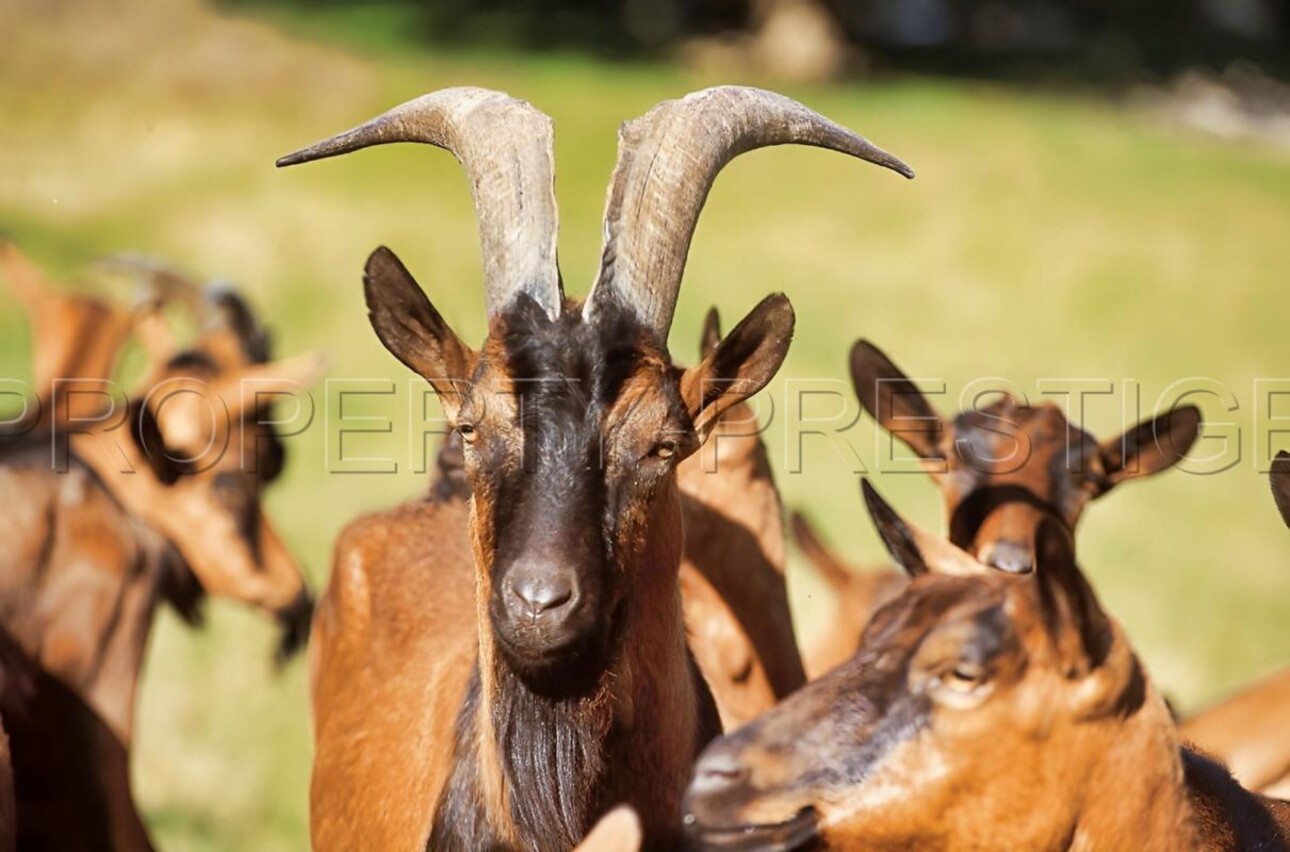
[[543, 651]]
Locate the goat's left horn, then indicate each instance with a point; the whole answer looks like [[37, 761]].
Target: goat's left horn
[[506, 148], [667, 161]]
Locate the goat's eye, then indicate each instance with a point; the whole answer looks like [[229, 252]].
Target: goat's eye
[[664, 449], [964, 677], [467, 432]]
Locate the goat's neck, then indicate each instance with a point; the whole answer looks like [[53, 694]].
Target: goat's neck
[[1136, 796], [546, 769]]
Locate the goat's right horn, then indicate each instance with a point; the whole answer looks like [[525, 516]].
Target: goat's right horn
[[667, 161], [506, 148]]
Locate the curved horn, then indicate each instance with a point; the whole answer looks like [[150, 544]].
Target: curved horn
[[667, 161], [506, 147]]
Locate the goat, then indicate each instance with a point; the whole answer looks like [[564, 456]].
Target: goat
[[494, 673], [733, 593], [93, 550], [1001, 469], [983, 709], [1247, 731]]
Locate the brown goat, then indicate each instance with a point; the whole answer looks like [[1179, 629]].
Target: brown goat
[[984, 709], [496, 673], [1001, 469], [1248, 731], [733, 593], [114, 524]]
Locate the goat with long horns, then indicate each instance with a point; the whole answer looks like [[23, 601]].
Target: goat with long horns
[[510, 699]]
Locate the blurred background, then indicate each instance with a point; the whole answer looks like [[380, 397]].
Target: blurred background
[[1103, 191]]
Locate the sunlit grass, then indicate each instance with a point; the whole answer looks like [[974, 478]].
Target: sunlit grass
[[1044, 237]]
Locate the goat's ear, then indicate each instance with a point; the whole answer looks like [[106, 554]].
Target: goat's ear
[[894, 401], [711, 334], [1281, 484], [916, 550], [413, 331], [1074, 619], [741, 364], [1151, 446]]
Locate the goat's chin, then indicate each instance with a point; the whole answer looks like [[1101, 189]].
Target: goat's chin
[[797, 832], [557, 667]]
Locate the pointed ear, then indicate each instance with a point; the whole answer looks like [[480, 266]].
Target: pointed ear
[[894, 401], [808, 541], [740, 365], [1281, 484], [711, 334], [913, 548], [1075, 620], [1151, 446], [413, 331]]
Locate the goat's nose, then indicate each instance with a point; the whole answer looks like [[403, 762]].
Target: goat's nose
[[1010, 556], [541, 594], [717, 771]]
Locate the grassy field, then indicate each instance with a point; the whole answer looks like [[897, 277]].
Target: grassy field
[[1046, 237]]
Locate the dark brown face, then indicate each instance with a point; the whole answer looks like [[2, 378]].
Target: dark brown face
[[970, 701], [572, 430], [1004, 467]]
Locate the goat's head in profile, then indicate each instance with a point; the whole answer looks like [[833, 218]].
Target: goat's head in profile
[[1010, 687], [572, 414], [205, 447], [1005, 466]]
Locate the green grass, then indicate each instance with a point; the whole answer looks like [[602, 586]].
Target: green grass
[[1044, 237]]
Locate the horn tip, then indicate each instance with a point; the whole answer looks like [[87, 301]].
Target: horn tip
[[292, 159]]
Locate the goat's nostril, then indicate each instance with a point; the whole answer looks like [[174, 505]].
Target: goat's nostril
[[540, 594], [1011, 557]]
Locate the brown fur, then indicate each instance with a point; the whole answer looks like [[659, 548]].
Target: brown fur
[[733, 590]]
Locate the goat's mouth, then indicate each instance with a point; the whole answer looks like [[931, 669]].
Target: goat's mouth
[[559, 662], [796, 833]]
